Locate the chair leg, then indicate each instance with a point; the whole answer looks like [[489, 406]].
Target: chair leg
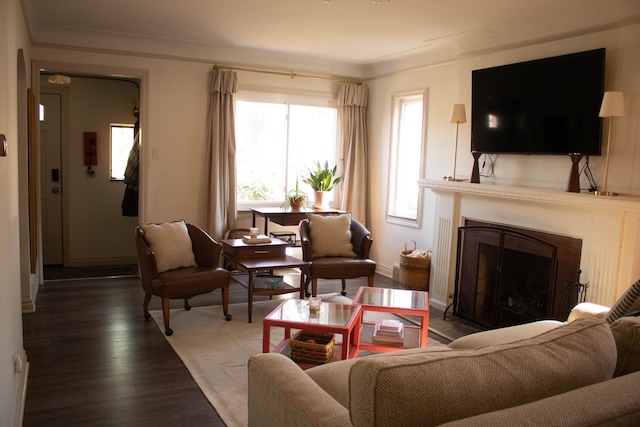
[[165, 315], [307, 279], [344, 288], [370, 281], [186, 304], [225, 303], [145, 305], [314, 286]]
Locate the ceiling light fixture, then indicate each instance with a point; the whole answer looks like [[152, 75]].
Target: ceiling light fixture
[[59, 79]]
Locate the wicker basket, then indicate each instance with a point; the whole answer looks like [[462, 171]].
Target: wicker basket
[[414, 271], [307, 353]]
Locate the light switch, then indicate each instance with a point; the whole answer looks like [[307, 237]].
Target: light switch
[[3, 145], [155, 153]]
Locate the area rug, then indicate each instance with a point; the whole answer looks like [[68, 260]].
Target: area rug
[[216, 351]]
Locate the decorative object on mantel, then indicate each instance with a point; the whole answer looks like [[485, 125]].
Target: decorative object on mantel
[[475, 172], [574, 177], [612, 106], [458, 116]]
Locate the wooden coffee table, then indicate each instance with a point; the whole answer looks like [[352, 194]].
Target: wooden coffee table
[[258, 258], [394, 301], [333, 318]]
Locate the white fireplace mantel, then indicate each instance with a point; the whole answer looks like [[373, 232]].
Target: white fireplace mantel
[[608, 226]]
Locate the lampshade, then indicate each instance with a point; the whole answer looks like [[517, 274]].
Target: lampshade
[[59, 79], [458, 114], [612, 104]]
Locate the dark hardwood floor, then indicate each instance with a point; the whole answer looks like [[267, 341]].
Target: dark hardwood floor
[[94, 360]]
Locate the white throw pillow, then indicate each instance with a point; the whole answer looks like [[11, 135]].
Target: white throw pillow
[[331, 235], [171, 243]]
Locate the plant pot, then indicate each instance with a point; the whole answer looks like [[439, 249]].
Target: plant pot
[[296, 203], [321, 200]]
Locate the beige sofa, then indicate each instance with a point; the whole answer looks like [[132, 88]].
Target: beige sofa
[[586, 372]]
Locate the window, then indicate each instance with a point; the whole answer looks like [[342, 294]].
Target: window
[[277, 138], [121, 143], [404, 201]]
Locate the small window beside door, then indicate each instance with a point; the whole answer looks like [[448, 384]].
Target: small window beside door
[[122, 136]]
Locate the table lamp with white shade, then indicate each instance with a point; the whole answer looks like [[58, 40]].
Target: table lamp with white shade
[[612, 106], [457, 116]]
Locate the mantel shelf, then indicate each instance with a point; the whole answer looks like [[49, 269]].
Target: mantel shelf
[[536, 194]]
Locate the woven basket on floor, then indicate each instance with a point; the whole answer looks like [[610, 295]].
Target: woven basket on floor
[[414, 271]]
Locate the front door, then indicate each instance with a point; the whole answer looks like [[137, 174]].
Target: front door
[[51, 178]]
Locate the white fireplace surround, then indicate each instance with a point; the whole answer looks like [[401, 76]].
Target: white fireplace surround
[[608, 226]]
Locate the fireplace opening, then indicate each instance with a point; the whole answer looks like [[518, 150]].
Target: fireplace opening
[[507, 276]]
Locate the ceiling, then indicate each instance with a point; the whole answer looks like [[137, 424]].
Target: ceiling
[[354, 32]]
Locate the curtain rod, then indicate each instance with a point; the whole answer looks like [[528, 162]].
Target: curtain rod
[[282, 73]]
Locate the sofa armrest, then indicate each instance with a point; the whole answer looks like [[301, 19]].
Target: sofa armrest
[[280, 393], [588, 309]]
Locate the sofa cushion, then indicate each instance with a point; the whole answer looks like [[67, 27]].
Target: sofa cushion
[[504, 335], [626, 332], [330, 235], [628, 302], [431, 388], [334, 377], [171, 243]]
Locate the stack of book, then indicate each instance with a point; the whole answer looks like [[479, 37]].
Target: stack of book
[[252, 240], [389, 331]]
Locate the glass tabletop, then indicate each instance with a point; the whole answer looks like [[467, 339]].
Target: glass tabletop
[[297, 311], [392, 298]]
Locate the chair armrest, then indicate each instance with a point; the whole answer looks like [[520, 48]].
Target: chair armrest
[[147, 258], [305, 242], [280, 393], [588, 309], [205, 249], [360, 239]]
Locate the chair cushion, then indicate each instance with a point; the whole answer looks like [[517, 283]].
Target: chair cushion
[[330, 235], [626, 332], [171, 243], [628, 302]]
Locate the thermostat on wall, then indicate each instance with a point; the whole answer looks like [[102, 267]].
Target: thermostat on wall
[[3, 145]]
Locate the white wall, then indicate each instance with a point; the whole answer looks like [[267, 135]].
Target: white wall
[[14, 37], [95, 231], [451, 83]]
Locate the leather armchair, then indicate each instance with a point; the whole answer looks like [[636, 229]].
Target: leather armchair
[[184, 282], [331, 267]]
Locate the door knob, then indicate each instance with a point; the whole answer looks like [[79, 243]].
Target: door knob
[[55, 190]]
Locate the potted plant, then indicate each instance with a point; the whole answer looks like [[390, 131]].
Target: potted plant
[[321, 180], [295, 198]]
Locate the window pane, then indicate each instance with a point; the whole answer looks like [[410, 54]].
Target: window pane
[[121, 143], [312, 138], [406, 157], [276, 142], [260, 132]]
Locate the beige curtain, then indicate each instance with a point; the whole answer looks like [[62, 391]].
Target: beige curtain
[[221, 206], [352, 105]]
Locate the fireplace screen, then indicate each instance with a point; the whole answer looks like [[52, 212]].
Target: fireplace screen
[[506, 277]]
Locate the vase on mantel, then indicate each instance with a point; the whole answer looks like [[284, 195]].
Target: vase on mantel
[[320, 199]]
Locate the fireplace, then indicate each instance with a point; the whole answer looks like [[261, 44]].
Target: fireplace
[[508, 275]]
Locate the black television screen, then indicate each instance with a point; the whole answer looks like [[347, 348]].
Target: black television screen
[[545, 106]]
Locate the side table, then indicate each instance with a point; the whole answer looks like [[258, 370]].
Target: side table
[[260, 257], [333, 318], [394, 301]]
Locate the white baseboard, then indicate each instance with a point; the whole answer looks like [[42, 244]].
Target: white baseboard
[[21, 392]]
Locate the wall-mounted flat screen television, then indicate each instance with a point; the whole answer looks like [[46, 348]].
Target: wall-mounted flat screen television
[[545, 106]]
